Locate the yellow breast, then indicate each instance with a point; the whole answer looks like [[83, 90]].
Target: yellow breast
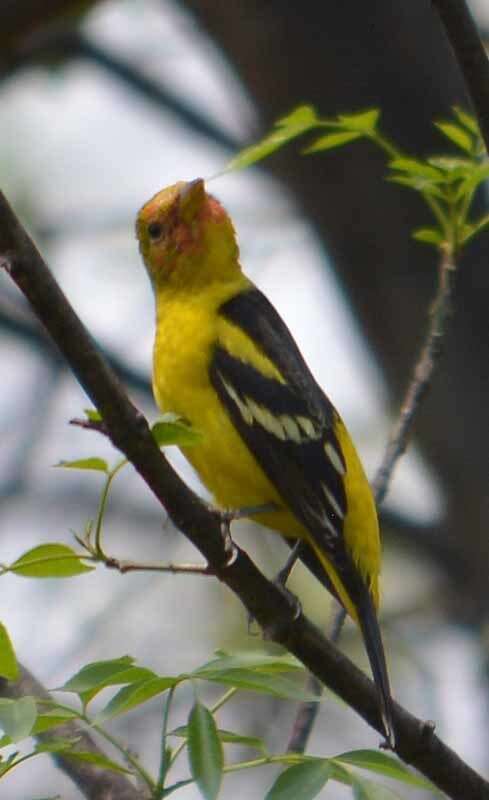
[[186, 334], [187, 331]]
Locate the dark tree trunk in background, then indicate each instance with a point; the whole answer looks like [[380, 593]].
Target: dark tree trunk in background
[[347, 56]]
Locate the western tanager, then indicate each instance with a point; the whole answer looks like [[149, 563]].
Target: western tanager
[[225, 361]]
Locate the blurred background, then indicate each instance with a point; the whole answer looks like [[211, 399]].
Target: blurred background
[[101, 105]]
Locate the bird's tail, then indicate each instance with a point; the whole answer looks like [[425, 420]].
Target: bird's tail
[[369, 626], [353, 594]]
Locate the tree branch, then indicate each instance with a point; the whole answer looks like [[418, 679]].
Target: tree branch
[[129, 432], [421, 378], [469, 51], [94, 782]]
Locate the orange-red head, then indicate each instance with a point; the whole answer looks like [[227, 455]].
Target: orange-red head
[[186, 238]]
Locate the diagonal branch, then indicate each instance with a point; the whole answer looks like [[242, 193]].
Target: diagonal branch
[[416, 742], [94, 783], [469, 51]]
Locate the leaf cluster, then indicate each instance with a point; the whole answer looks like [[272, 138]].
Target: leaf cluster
[[207, 745], [446, 183]]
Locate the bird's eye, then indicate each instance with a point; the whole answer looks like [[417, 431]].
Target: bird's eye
[[155, 230]]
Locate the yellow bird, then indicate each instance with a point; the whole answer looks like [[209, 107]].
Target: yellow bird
[[225, 361]]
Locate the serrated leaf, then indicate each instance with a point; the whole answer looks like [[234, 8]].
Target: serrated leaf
[[17, 717], [364, 122], [296, 123], [173, 430], [429, 236], [205, 754], [49, 561], [9, 668], [93, 415], [264, 683], [331, 140], [457, 135], [301, 780], [384, 764], [135, 695], [98, 759], [467, 120], [96, 464], [415, 168]]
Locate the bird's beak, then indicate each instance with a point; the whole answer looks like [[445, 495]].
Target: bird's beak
[[191, 197]]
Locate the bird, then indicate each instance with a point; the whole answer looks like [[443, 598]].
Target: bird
[[225, 361]]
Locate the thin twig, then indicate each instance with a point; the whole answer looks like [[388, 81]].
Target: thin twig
[[416, 391], [416, 742], [176, 569], [422, 375]]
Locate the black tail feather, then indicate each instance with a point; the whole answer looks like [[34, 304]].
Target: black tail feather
[[369, 626]]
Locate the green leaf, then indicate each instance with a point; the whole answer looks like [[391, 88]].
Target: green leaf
[[265, 683], [228, 737], [478, 174], [135, 695], [52, 719], [302, 780], [93, 415], [364, 122], [97, 672], [172, 429], [296, 123], [129, 676], [204, 751], [94, 677], [384, 764], [252, 660], [469, 231], [331, 140], [98, 759], [429, 236], [97, 464], [55, 745], [368, 790], [457, 135], [49, 561], [17, 717], [467, 120], [452, 168], [8, 663], [422, 185], [415, 168]]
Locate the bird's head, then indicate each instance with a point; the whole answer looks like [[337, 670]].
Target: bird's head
[[186, 238]]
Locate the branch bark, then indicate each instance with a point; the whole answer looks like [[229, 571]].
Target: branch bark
[[95, 783], [469, 51], [128, 430]]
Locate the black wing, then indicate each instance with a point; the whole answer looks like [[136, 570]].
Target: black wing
[[289, 427]]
